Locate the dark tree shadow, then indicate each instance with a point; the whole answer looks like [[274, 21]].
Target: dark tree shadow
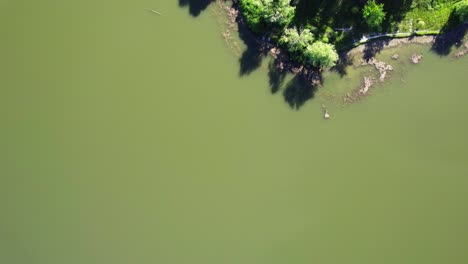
[[343, 62], [276, 77], [298, 91], [396, 7], [374, 47], [195, 6], [395, 11], [321, 11], [305, 9], [252, 57], [452, 35]]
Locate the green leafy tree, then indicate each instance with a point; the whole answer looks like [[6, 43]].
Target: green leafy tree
[[278, 12], [260, 14], [321, 54], [296, 42], [461, 10], [253, 11], [373, 14]]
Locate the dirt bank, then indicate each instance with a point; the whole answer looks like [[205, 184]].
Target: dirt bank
[[391, 43]]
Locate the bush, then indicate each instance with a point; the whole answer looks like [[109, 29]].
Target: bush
[[296, 43], [303, 49], [373, 14], [253, 12], [420, 24], [278, 13], [261, 13], [321, 54]]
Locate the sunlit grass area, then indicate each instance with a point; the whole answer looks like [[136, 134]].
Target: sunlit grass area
[[427, 18]]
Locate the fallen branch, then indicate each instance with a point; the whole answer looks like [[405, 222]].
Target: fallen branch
[[153, 11]]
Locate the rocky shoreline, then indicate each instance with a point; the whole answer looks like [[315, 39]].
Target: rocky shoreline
[[368, 81], [463, 52], [283, 63], [386, 44]]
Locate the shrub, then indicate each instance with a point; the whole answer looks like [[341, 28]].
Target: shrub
[[321, 54], [278, 13], [420, 24], [373, 14], [253, 12], [295, 42], [261, 13]]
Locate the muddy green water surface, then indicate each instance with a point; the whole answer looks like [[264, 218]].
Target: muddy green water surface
[[128, 137]]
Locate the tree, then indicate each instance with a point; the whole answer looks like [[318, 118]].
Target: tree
[[302, 47], [278, 12], [321, 54], [260, 14], [253, 11], [461, 10], [296, 42], [373, 14]]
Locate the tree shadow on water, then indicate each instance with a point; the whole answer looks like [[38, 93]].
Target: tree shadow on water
[[275, 77], [195, 6], [374, 47], [251, 58], [343, 62], [298, 91]]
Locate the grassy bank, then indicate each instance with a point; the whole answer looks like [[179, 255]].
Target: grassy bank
[[426, 17]]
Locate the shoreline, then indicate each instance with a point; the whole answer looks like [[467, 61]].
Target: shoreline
[[392, 42], [441, 44], [284, 63]]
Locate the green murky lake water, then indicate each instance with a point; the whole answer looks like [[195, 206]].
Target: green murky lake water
[[128, 137]]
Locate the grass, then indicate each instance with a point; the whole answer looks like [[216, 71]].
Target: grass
[[431, 19]]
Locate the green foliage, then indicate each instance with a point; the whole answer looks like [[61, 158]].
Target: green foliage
[[421, 24], [337, 24], [296, 43], [278, 12], [433, 19], [253, 12], [302, 47], [321, 54], [260, 14], [429, 5], [461, 10], [373, 14]]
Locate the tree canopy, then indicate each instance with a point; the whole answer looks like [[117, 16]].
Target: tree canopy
[[253, 12], [321, 54], [311, 30], [302, 47], [461, 10], [373, 14], [278, 12], [296, 42], [267, 13]]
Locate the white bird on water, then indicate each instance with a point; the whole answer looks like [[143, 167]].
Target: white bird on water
[[326, 114]]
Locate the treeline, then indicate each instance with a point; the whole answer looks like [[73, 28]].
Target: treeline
[[276, 16], [312, 30]]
